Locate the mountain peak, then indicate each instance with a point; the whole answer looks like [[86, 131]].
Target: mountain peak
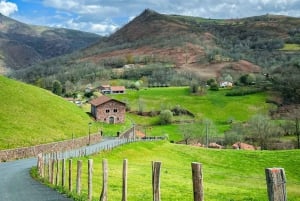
[[148, 12]]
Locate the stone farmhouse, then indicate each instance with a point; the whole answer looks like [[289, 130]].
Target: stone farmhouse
[[108, 110]]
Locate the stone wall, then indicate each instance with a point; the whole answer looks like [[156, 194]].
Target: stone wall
[[33, 151]]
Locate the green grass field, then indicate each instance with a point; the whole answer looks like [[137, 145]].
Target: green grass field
[[291, 47], [30, 116], [214, 105], [229, 175]]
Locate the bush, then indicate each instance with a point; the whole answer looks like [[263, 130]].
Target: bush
[[165, 117], [214, 87], [243, 91]]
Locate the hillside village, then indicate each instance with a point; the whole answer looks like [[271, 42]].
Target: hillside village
[[162, 87]]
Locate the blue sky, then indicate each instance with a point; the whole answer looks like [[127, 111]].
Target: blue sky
[[106, 16]]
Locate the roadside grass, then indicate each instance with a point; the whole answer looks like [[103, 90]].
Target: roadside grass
[[228, 174], [30, 116]]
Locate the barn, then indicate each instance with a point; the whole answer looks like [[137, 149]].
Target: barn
[[108, 110]]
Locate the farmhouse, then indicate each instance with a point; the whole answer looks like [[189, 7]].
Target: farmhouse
[[108, 110], [226, 84], [107, 89]]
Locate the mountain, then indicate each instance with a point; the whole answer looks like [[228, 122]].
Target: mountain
[[22, 45], [30, 115], [207, 48]]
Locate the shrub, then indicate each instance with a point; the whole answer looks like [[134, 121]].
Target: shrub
[[243, 91], [214, 87], [165, 117]]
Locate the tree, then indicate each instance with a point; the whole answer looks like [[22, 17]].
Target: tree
[[248, 79], [212, 83], [141, 106], [194, 87], [251, 79], [287, 82], [165, 117], [235, 134], [262, 130], [187, 131], [69, 88], [57, 87], [228, 78]]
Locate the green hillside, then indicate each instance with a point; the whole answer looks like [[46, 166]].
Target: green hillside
[[30, 115], [229, 175]]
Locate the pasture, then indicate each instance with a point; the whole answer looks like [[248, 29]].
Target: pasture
[[228, 174], [212, 105]]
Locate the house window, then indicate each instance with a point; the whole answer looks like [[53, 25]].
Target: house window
[[115, 110], [107, 111]]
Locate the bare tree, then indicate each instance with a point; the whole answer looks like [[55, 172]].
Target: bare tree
[[187, 131], [262, 130]]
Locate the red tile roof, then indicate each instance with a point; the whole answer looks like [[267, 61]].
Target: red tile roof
[[100, 100], [103, 99], [117, 88]]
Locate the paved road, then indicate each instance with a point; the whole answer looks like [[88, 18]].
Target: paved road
[[16, 183]]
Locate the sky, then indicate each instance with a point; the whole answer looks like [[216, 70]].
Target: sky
[[104, 17]]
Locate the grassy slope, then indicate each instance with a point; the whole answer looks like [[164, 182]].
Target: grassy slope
[[30, 115], [228, 174], [214, 105]]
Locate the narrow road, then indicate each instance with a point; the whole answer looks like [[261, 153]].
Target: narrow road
[[16, 183]]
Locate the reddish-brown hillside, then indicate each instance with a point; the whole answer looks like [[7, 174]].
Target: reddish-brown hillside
[[167, 38], [205, 47]]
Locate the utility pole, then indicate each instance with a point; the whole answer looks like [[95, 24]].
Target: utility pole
[[297, 132], [207, 131]]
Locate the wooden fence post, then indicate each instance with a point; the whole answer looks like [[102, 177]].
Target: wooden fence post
[[63, 172], [103, 196], [78, 178], [197, 181], [52, 171], [49, 170], [40, 165], [276, 184], [90, 179], [57, 172], [70, 175], [125, 173], [46, 161], [156, 180]]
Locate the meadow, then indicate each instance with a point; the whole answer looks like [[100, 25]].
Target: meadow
[[291, 47], [213, 105], [30, 115], [229, 175]]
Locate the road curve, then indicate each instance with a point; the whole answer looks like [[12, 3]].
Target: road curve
[[16, 184]]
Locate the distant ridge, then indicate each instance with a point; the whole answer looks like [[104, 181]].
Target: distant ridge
[[22, 45], [203, 47]]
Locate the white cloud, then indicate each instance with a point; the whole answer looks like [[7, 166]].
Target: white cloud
[[82, 7], [105, 16], [7, 8], [103, 28]]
